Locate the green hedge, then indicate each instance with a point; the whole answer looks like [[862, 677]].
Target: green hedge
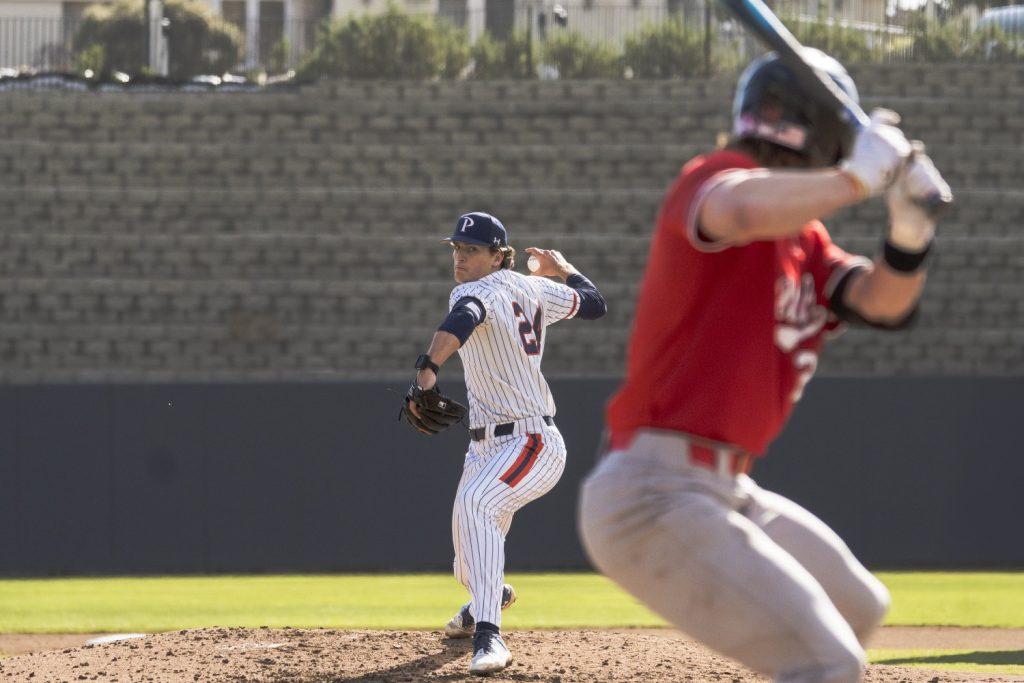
[[957, 41], [575, 57], [395, 45], [667, 50], [945, 41], [392, 45], [511, 58], [111, 38], [848, 45]]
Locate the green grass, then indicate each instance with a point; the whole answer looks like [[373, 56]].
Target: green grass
[[340, 601], [87, 605], [994, 662], [956, 598], [425, 601]]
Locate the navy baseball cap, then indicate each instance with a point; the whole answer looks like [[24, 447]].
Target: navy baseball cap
[[479, 228]]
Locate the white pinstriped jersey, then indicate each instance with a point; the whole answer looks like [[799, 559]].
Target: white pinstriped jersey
[[502, 357]]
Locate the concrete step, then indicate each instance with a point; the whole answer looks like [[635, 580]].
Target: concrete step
[[256, 348], [570, 166], [416, 212], [350, 257], [223, 302], [261, 352], [948, 303], [264, 118]]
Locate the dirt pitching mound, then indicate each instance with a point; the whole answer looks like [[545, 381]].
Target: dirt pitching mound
[[325, 655]]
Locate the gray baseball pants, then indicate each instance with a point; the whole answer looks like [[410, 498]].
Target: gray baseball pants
[[747, 572]]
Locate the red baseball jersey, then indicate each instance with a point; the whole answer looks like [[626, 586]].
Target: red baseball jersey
[[725, 337]]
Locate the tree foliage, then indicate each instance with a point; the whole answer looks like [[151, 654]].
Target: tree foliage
[[957, 40], [848, 45], [513, 57], [666, 50], [392, 45], [395, 45], [576, 57], [112, 37]]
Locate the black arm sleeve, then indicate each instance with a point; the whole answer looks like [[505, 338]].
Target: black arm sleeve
[[592, 304], [466, 314], [848, 315]]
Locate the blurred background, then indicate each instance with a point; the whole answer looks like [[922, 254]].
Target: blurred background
[[482, 38], [219, 259]]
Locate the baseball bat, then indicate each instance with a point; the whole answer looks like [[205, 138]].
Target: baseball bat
[[762, 22]]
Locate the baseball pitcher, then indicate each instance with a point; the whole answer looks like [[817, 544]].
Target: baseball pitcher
[[497, 322], [742, 287]]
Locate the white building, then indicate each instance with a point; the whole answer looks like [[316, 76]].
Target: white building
[[32, 30]]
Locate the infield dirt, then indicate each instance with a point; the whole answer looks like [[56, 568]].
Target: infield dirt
[[299, 655]]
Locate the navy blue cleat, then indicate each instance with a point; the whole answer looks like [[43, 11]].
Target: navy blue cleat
[[462, 625]]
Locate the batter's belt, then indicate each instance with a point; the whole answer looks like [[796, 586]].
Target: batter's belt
[[723, 459], [506, 428]]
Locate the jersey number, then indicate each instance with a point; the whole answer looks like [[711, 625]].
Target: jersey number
[[806, 362], [528, 332]]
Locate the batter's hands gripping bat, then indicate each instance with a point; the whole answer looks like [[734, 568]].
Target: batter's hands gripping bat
[[762, 22]]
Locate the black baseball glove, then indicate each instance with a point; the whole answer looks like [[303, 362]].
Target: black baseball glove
[[436, 411]]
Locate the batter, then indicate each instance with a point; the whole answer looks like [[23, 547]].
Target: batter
[[742, 287]]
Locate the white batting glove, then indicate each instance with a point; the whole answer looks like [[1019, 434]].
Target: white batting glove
[[878, 153], [912, 227]]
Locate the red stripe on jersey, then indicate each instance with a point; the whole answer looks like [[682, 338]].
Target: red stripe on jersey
[[575, 305], [525, 462]]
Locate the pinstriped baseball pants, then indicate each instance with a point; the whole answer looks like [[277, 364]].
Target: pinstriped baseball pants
[[499, 477]]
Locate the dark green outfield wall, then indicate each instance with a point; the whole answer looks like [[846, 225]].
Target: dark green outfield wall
[[320, 477]]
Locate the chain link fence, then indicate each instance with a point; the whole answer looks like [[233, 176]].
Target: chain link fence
[[855, 31]]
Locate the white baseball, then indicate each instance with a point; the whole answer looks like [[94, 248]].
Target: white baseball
[[533, 264]]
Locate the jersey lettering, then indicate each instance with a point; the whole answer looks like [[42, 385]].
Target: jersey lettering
[[502, 356], [798, 314], [528, 332], [798, 317], [775, 291]]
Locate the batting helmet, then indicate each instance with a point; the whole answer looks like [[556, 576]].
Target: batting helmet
[[771, 105]]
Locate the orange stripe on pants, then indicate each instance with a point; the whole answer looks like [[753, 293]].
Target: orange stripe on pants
[[525, 462]]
